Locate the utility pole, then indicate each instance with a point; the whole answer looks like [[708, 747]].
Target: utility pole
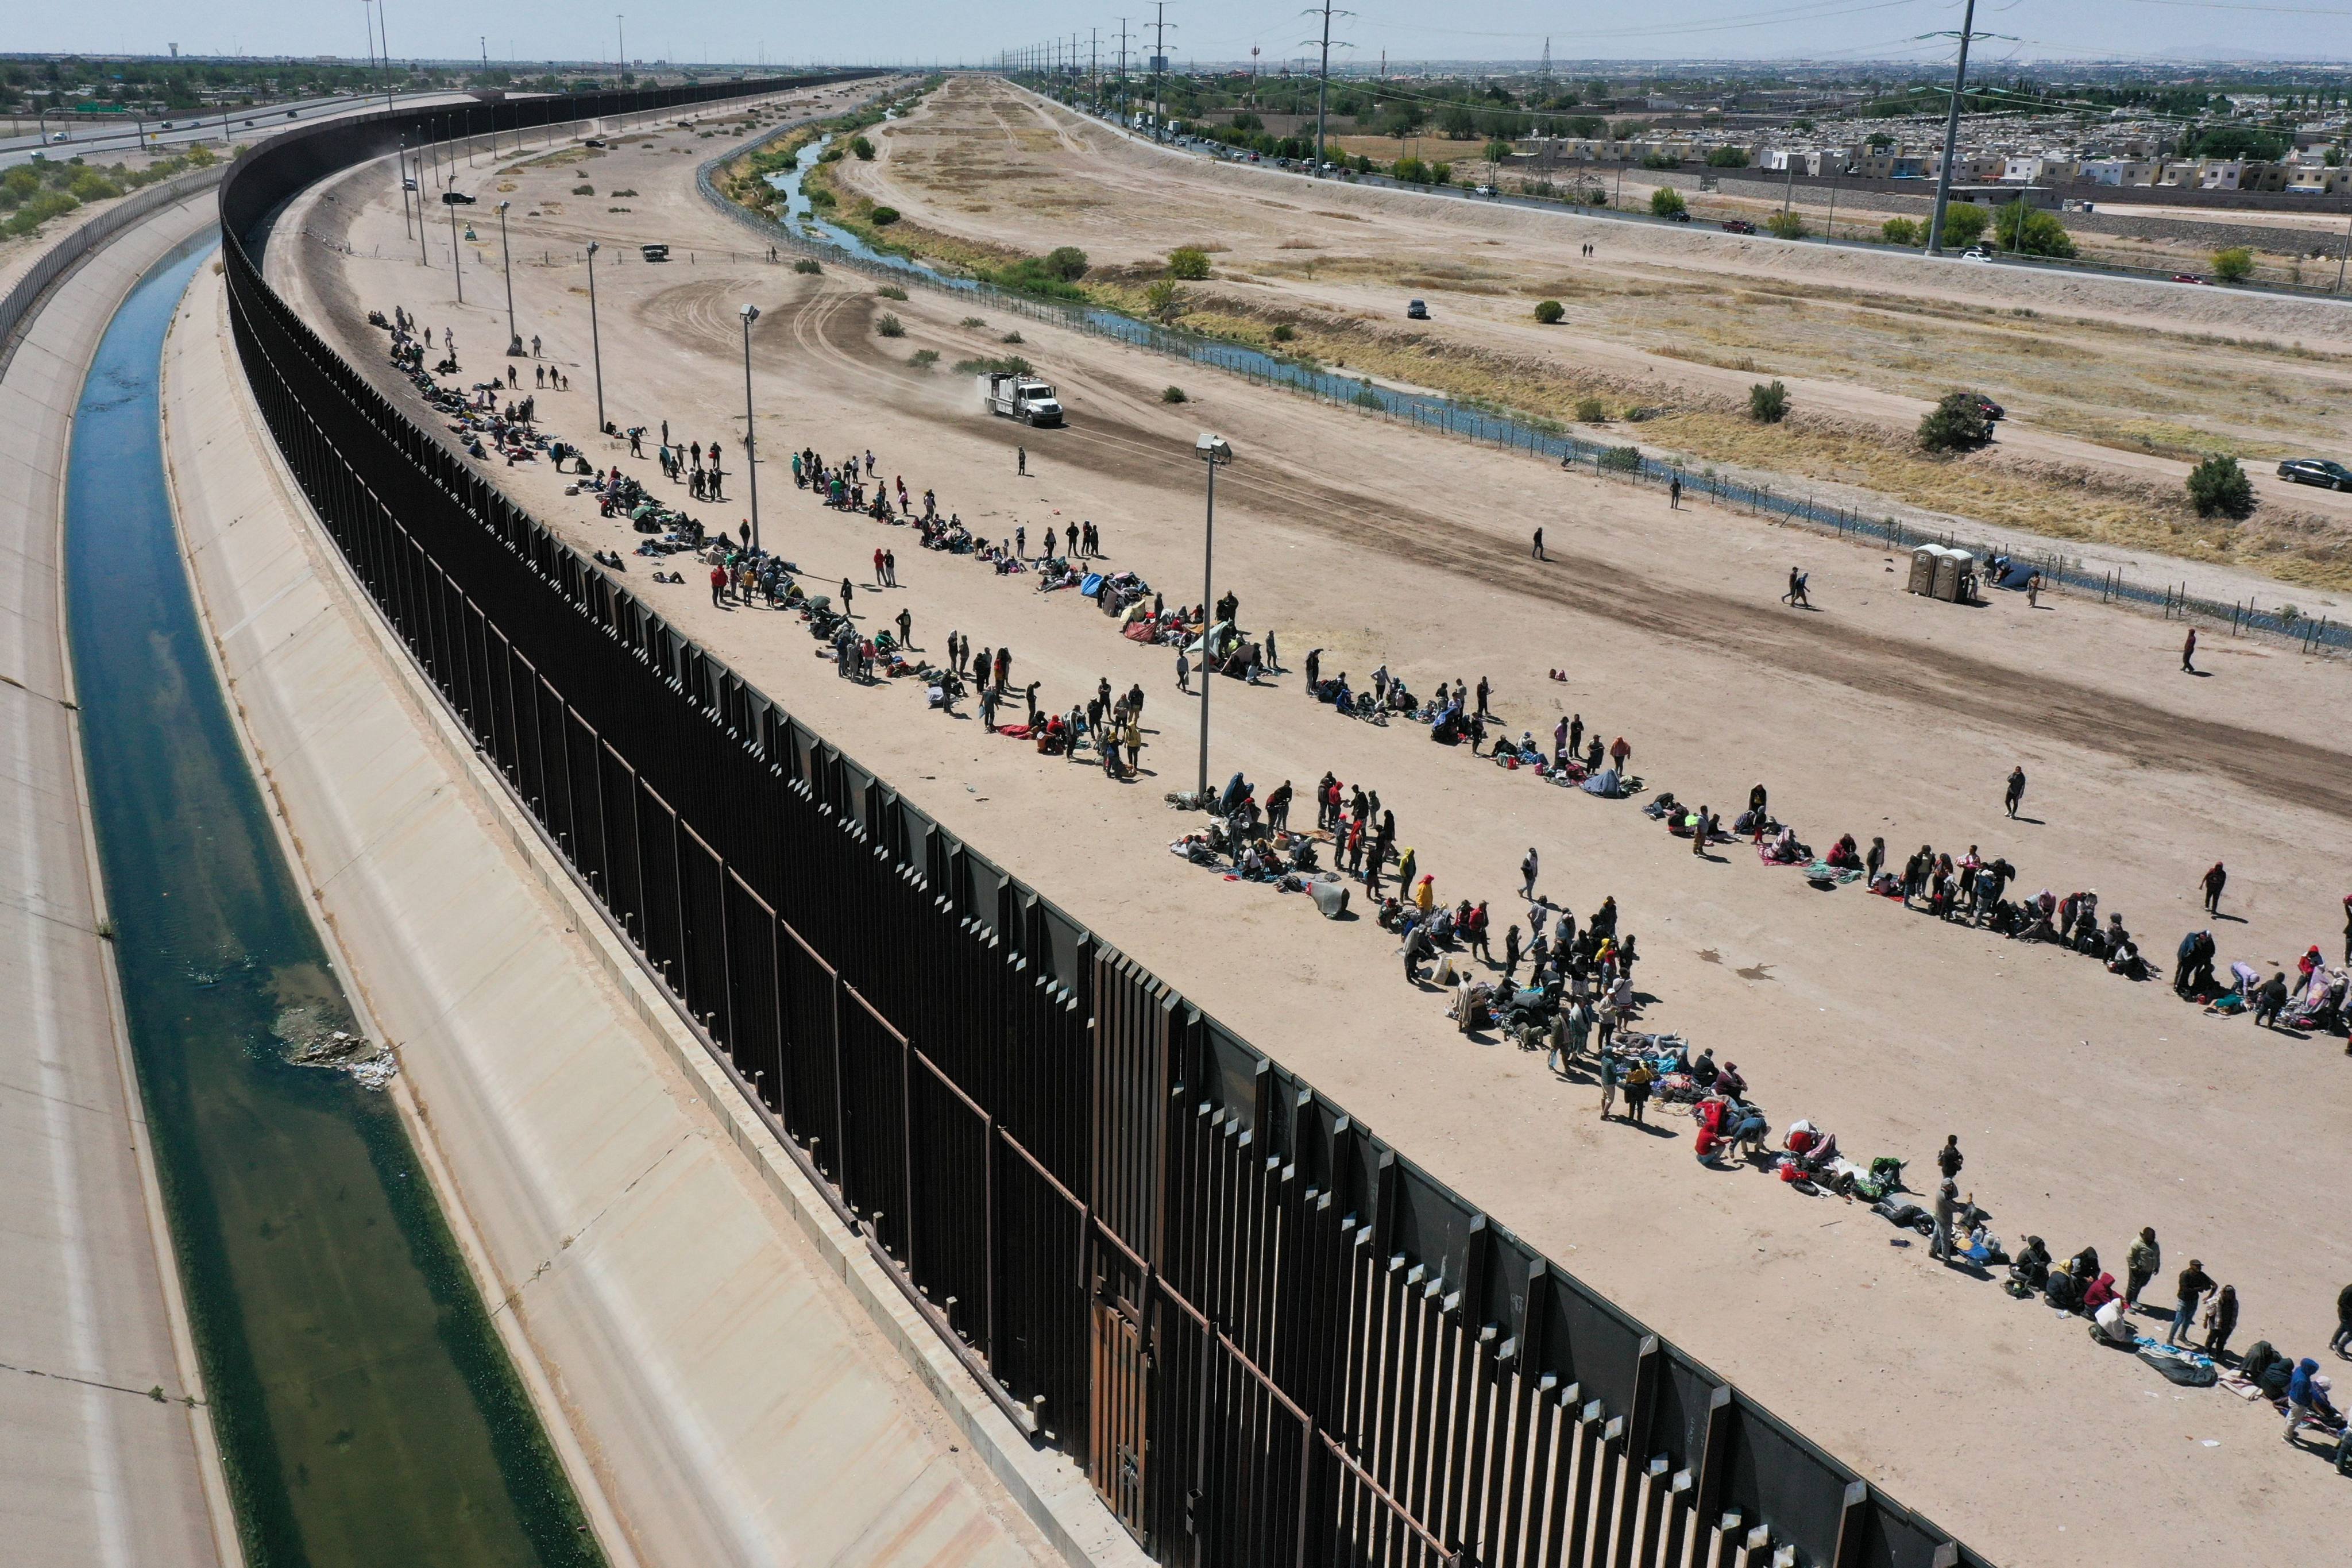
[[1323, 84], [1123, 89], [1951, 134], [621, 42], [1093, 65], [1159, 68]]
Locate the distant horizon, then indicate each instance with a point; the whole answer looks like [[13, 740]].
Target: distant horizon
[[1904, 35]]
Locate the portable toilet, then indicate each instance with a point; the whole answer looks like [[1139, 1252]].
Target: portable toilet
[[1952, 568], [1922, 568]]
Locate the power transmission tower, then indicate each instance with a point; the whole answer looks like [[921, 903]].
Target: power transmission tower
[[1159, 69], [1323, 82], [1967, 33], [1543, 73]]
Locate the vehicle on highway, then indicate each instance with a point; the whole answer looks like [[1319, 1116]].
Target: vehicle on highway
[[61, 136], [2321, 471], [293, 114], [594, 141], [1976, 253], [1680, 215], [1418, 310], [1737, 225], [2187, 278]]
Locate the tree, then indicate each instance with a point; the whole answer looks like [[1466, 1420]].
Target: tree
[[1767, 405], [1068, 263], [1790, 225], [1550, 312], [1957, 424], [883, 218], [1188, 262], [2022, 229], [1899, 231], [1666, 201], [1726, 158], [1457, 121], [1246, 120], [863, 148], [1411, 170], [2219, 487], [1442, 174], [1964, 222], [1164, 299], [2240, 142], [2234, 265], [1497, 152]]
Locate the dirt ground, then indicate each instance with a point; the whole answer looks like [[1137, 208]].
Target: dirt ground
[[1881, 714], [2115, 386]]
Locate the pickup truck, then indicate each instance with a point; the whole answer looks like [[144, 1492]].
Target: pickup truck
[[1737, 225], [1021, 397]]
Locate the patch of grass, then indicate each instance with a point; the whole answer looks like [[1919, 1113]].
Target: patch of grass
[[891, 291], [1283, 333], [972, 321], [1591, 411], [890, 327], [583, 190], [1010, 364], [924, 359], [808, 264], [1010, 338], [619, 195]]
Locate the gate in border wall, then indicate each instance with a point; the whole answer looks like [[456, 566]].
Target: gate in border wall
[[1263, 1334]]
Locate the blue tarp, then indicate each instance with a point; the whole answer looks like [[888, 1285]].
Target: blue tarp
[[1092, 585]]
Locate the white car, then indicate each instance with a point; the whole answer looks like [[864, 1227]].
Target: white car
[[1976, 253]]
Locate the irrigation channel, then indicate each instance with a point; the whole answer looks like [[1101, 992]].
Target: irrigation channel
[[800, 224], [366, 1411]]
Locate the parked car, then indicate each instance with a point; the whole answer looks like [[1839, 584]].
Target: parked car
[[2320, 471], [458, 198], [594, 141], [1737, 225], [1990, 409], [1416, 311]]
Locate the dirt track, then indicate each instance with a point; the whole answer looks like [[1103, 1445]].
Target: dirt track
[[1883, 714]]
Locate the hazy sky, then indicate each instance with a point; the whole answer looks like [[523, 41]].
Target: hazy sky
[[906, 30]]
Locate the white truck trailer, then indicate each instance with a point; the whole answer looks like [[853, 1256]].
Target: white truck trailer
[[1020, 396]]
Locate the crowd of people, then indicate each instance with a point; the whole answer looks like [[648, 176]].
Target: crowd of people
[[1578, 1001]]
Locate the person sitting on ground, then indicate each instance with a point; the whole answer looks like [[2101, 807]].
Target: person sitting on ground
[[2111, 1323], [2031, 1268], [2306, 1399], [1844, 856], [2100, 1291]]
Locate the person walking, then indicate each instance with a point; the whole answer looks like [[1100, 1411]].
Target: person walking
[[2188, 652], [1511, 958], [2015, 795], [1607, 1080], [1949, 1159], [1620, 752], [1183, 671], [1538, 549], [2190, 1289], [1486, 689], [1527, 874], [1674, 493], [849, 592], [717, 584], [1637, 1093], [2140, 1263], [906, 627], [2215, 880], [1021, 460], [2342, 1343], [1796, 598]]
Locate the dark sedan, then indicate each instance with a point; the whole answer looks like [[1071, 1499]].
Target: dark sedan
[[2318, 471]]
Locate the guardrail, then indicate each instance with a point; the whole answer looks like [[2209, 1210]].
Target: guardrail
[[55, 262], [1267, 1336]]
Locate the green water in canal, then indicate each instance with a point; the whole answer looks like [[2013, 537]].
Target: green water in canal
[[366, 1411]]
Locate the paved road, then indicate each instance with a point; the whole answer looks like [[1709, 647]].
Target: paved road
[[85, 140]]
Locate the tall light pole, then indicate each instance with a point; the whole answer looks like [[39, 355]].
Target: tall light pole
[[621, 42], [595, 345], [751, 313], [1215, 451], [1322, 85], [457, 257], [506, 258]]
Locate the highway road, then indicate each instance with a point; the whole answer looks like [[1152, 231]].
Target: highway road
[[84, 139]]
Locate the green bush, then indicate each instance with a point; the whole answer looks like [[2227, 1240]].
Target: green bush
[[972, 321], [1010, 338], [1660, 161], [1441, 173], [2217, 487], [583, 190], [1666, 201], [1368, 398], [891, 291], [1789, 224], [1550, 312], [883, 218], [2234, 265], [808, 264], [1010, 364], [1965, 223], [1957, 424], [2020, 228], [1726, 158], [1591, 411], [924, 359], [1188, 262], [1622, 459], [1164, 299], [619, 194], [863, 148], [1411, 170], [890, 327], [1068, 263], [37, 211], [1172, 394], [1284, 332], [1767, 405], [1899, 231], [89, 185]]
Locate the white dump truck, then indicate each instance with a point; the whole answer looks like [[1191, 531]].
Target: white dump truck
[[1020, 396]]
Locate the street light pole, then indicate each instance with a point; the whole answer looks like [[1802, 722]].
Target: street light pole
[[457, 257], [595, 345], [506, 259], [1215, 451], [751, 313]]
